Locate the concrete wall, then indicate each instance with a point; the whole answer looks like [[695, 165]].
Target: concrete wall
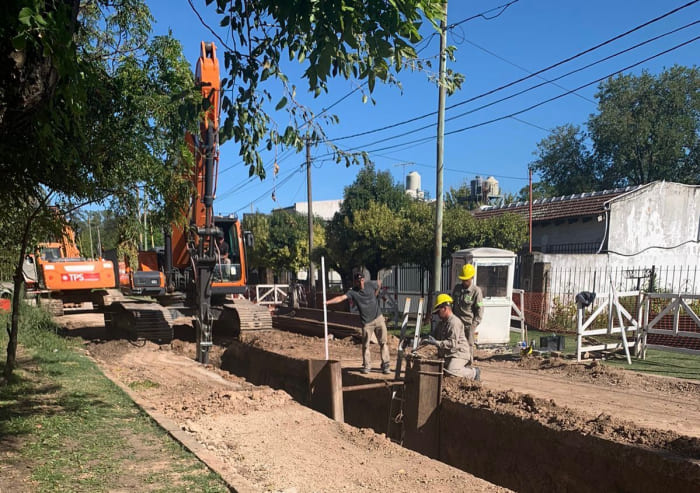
[[659, 215]]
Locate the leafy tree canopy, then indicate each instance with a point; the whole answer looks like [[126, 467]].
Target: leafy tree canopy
[[366, 40], [647, 128]]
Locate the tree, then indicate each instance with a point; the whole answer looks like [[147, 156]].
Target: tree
[[565, 164], [540, 190], [647, 128], [90, 108], [367, 40], [351, 240], [459, 197]]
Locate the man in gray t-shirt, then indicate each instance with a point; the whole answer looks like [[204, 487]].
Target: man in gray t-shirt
[[364, 295]]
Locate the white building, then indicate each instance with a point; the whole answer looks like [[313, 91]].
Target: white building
[[325, 209], [657, 224]]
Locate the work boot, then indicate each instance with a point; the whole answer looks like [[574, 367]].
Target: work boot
[[385, 368], [365, 370], [477, 376]]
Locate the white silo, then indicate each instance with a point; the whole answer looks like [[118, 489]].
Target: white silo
[[413, 185], [413, 181], [491, 188]]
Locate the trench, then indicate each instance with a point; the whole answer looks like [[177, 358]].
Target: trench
[[507, 450]]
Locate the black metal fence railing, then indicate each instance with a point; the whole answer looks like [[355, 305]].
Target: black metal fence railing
[[650, 278]]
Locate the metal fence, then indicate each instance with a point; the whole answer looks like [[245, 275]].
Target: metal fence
[[649, 278]]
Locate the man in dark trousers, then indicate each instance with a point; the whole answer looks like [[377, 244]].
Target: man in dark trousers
[[364, 294], [468, 305]]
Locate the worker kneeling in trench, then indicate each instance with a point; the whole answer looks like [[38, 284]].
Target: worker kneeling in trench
[[451, 342]]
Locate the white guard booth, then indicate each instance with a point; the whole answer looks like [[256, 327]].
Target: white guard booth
[[495, 269]]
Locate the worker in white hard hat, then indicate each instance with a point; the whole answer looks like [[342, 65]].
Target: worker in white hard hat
[[468, 304], [451, 343]]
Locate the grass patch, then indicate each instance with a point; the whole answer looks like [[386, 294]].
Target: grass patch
[[666, 363], [66, 427], [143, 385]]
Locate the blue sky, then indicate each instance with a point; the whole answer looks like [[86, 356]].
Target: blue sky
[[526, 37]]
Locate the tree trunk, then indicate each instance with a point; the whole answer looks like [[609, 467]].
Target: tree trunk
[[17, 296], [13, 328]]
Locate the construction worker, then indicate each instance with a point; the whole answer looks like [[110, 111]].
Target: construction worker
[[224, 262], [451, 341], [364, 294], [469, 305]]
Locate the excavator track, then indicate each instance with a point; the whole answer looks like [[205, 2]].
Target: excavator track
[[247, 316], [149, 321]]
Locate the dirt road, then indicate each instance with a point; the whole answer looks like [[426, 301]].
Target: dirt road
[[592, 389], [260, 439]]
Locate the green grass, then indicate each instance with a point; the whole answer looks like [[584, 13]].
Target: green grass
[[666, 363], [68, 428]]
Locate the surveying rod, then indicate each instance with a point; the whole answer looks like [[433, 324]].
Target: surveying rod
[[325, 308]]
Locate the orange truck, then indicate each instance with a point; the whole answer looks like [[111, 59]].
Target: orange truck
[[58, 277]]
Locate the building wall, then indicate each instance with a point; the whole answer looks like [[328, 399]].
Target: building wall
[[661, 214], [325, 209], [580, 230]]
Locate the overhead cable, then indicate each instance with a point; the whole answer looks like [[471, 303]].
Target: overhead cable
[[534, 74]]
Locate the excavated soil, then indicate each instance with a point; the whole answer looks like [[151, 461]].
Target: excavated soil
[[270, 442], [258, 438]]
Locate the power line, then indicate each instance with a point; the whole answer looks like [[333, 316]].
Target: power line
[[482, 14], [536, 86], [531, 107], [522, 68], [534, 74]]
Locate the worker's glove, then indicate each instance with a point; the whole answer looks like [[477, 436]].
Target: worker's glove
[[431, 341]]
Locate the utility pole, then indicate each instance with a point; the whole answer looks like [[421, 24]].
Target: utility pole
[[529, 214], [92, 255], [437, 265], [312, 270]]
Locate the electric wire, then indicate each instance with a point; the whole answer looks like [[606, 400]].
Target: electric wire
[[536, 86], [533, 106], [512, 83], [482, 14]]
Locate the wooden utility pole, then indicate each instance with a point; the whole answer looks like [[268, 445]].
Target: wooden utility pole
[[312, 271], [439, 203], [529, 212]]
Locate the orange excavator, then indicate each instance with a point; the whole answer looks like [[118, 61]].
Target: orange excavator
[[204, 263], [58, 277]]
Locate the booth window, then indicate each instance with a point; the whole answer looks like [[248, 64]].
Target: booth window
[[493, 280]]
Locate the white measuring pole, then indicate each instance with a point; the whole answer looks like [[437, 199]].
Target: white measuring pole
[[325, 312]]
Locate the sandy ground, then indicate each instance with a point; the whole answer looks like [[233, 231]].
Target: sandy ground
[[264, 440], [258, 438]]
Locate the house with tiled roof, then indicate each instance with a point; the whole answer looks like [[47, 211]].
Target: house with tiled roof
[[647, 225]]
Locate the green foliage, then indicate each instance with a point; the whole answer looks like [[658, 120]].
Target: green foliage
[[66, 416], [282, 240], [459, 197], [368, 41], [89, 108], [540, 190], [565, 165], [366, 230], [647, 128]]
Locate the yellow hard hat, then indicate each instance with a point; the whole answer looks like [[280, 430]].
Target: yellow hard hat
[[441, 300], [468, 272]]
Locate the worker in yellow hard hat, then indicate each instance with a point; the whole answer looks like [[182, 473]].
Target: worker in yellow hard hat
[[468, 304], [451, 342]]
